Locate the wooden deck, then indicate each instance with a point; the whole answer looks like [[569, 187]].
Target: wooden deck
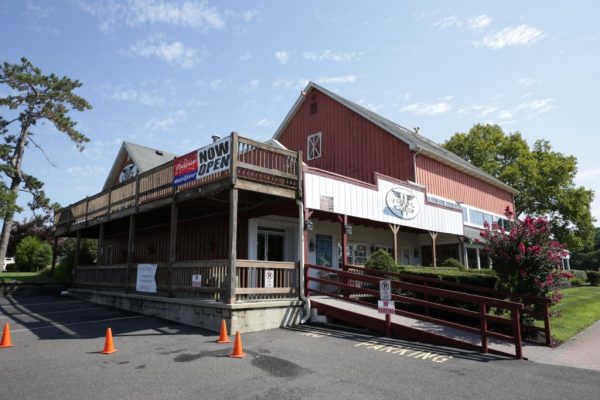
[[254, 167]]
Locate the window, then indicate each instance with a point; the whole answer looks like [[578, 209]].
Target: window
[[270, 244], [489, 219], [314, 146], [465, 214], [476, 217], [357, 253]]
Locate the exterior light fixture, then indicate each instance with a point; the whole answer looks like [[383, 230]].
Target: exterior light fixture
[[348, 229], [308, 225], [311, 245]]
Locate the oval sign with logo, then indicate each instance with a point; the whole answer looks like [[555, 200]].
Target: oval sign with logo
[[403, 203]]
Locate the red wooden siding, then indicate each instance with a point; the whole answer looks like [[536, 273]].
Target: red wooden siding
[[447, 182], [351, 145]]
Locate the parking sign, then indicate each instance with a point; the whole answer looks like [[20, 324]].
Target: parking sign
[[385, 290]]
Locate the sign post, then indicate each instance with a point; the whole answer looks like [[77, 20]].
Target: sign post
[[385, 305]]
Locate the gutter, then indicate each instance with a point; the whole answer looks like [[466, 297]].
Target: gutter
[[303, 297], [419, 150]]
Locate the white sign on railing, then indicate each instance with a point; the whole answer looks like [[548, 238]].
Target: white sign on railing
[[196, 280], [146, 278], [269, 278], [386, 307], [385, 289]]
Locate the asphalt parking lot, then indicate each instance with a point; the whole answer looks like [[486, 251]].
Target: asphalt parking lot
[[57, 342]]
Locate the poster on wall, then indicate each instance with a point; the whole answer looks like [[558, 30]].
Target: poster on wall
[[209, 160], [324, 250], [146, 278]]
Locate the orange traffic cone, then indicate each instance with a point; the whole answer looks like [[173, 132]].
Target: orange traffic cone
[[223, 338], [6, 342], [237, 347], [109, 348]]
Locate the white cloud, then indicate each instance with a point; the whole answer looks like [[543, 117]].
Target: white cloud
[[172, 52], [282, 56], [479, 22], [522, 35], [290, 83], [192, 14], [137, 96], [165, 123], [422, 109], [337, 79], [245, 56], [330, 55], [537, 107], [263, 123], [448, 22], [250, 15], [251, 85], [529, 82], [87, 171]]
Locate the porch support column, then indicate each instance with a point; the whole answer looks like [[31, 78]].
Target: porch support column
[[130, 244], [395, 229], [54, 249], [466, 256], [77, 247], [433, 238], [172, 246], [343, 222], [233, 216], [461, 250], [478, 258], [100, 255]]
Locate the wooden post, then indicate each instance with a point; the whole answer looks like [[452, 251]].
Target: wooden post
[[516, 320], [483, 327], [54, 250], [547, 325], [234, 157], [77, 246], [395, 229], [233, 214], [433, 237], [136, 201], [343, 222], [100, 256], [130, 248], [172, 246]]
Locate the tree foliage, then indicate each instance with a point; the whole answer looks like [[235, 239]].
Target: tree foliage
[[88, 250], [33, 98], [588, 259], [543, 177], [32, 254], [38, 226]]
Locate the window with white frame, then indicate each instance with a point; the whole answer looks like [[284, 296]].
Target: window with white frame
[[313, 143]]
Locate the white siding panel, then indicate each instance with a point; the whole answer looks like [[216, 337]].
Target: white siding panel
[[369, 203]]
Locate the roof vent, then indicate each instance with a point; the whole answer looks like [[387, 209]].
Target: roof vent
[[416, 131], [215, 138], [160, 153]]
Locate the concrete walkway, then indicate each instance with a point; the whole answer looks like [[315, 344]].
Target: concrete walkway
[[581, 351]]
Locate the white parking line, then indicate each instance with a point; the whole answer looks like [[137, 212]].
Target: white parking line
[[52, 312], [54, 325], [39, 304]]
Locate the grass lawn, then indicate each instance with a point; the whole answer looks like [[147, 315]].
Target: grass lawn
[[26, 277], [579, 308]]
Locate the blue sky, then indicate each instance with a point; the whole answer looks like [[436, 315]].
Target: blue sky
[[169, 74]]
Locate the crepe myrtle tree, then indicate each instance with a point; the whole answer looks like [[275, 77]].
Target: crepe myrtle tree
[[526, 258], [33, 98]]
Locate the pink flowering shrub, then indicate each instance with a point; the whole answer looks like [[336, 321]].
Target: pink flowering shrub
[[526, 258]]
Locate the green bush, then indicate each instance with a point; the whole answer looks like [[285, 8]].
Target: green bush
[[576, 281], [453, 275], [593, 277], [381, 260], [32, 254], [453, 263], [87, 256], [577, 273]]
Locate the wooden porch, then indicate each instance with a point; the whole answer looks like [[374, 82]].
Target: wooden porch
[[259, 177]]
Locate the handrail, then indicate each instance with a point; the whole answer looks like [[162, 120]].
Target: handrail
[[482, 301], [524, 298]]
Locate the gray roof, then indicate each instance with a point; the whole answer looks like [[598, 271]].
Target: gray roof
[[415, 141], [145, 158]]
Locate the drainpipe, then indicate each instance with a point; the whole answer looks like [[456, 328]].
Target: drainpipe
[[303, 297], [419, 149]]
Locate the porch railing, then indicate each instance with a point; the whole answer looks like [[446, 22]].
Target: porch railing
[[177, 280], [255, 161]]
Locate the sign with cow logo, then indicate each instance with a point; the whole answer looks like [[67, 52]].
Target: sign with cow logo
[[402, 203]]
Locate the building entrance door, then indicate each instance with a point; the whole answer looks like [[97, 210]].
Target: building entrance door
[[270, 244]]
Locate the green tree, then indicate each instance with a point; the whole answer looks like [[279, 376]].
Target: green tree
[[543, 177], [88, 250], [33, 98], [32, 254]]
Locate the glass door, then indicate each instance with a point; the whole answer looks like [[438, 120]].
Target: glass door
[[270, 244]]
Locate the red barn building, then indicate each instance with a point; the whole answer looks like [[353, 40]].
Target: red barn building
[[223, 232]]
